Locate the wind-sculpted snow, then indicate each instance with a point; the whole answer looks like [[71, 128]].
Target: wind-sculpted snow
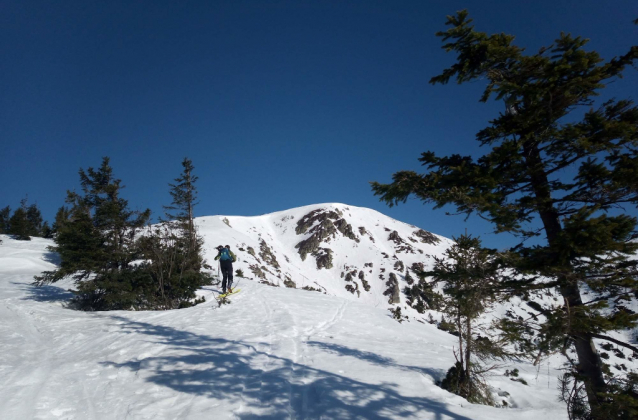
[[272, 353]]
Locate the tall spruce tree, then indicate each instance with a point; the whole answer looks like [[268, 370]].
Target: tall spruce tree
[[523, 186], [97, 243]]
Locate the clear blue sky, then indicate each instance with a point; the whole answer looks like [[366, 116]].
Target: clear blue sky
[[278, 103]]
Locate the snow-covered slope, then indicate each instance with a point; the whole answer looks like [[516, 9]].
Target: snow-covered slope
[[346, 251], [273, 353]]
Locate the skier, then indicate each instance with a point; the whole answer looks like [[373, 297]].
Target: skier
[[226, 259]]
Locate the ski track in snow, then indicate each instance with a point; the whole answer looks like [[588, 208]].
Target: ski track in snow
[[273, 353]]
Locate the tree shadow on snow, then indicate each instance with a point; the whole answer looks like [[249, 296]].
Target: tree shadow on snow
[[435, 374], [52, 257], [267, 386], [45, 293]]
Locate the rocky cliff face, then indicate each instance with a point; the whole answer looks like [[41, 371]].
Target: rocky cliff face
[[336, 249]]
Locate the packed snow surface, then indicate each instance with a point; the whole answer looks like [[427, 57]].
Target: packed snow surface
[[272, 353]]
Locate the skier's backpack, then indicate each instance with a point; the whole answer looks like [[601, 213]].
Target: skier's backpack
[[225, 252]]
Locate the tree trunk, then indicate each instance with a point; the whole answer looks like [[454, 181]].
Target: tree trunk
[[459, 329], [468, 348], [589, 363]]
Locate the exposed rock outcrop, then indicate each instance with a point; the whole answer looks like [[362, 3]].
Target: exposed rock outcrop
[[266, 253], [346, 229], [427, 237], [353, 288], [364, 282], [401, 245], [323, 225], [312, 243], [418, 267], [352, 285], [363, 232], [257, 271], [393, 289], [323, 256], [289, 283]]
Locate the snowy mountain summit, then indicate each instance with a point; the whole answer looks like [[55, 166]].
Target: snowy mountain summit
[[341, 250]]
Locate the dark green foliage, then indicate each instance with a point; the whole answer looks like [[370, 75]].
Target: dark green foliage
[[421, 295], [514, 376], [80, 246], [468, 275], [239, 273], [445, 325], [472, 388], [46, 231], [184, 200], [97, 240], [172, 250], [96, 244], [61, 217], [523, 185], [19, 225], [396, 314], [5, 215], [25, 222], [618, 403], [174, 269], [34, 218]]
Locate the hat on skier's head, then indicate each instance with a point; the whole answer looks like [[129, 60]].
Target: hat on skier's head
[[219, 247], [227, 246]]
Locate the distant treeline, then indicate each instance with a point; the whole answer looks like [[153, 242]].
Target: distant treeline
[[25, 222]]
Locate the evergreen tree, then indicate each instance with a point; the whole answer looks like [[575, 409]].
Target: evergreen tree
[[35, 220], [61, 217], [25, 222], [46, 231], [174, 250], [469, 277], [184, 195], [174, 272], [19, 224], [5, 215], [97, 244], [522, 185]]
